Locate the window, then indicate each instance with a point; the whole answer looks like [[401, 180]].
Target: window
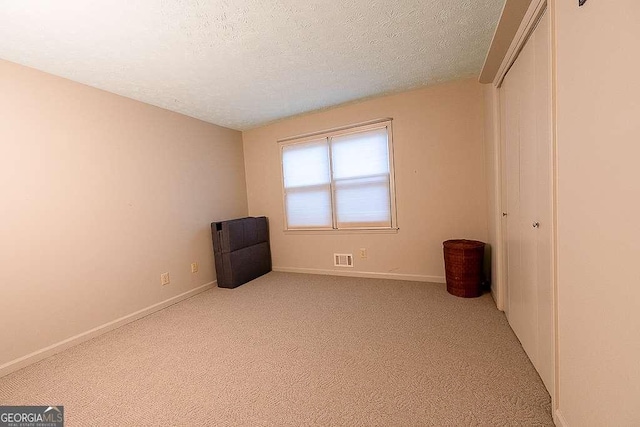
[[340, 179]]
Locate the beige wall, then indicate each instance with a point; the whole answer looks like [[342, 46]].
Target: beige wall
[[101, 194], [440, 182], [598, 135]]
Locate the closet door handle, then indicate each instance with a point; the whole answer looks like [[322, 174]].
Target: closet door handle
[[504, 214], [536, 225]]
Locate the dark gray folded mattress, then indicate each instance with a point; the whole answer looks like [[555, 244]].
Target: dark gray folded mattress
[[241, 250]]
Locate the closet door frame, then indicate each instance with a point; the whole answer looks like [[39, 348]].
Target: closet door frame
[[535, 11]]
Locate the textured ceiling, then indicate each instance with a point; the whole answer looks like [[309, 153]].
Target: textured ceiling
[[242, 63]]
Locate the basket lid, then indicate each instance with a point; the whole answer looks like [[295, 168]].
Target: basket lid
[[463, 244]]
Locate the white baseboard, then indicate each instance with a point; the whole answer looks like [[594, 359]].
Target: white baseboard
[[367, 274], [43, 353], [559, 419]]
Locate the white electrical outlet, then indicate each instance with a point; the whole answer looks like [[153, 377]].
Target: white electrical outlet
[[363, 253], [164, 278], [194, 267]]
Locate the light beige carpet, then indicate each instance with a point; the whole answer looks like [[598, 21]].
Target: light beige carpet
[[293, 349]]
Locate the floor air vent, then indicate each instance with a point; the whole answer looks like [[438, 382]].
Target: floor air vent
[[343, 260]]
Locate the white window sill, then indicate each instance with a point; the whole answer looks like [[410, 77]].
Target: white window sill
[[345, 231]]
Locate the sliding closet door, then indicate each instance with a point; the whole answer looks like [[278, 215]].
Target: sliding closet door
[[526, 130], [510, 105], [544, 206]]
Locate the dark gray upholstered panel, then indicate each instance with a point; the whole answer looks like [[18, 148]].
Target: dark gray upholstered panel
[[241, 250], [240, 233]]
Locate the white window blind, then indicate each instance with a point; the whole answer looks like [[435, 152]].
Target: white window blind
[[361, 179], [307, 183], [340, 180]]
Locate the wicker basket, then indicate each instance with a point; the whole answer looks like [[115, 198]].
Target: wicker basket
[[463, 261]]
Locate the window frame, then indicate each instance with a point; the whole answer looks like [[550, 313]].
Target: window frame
[[327, 135]]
